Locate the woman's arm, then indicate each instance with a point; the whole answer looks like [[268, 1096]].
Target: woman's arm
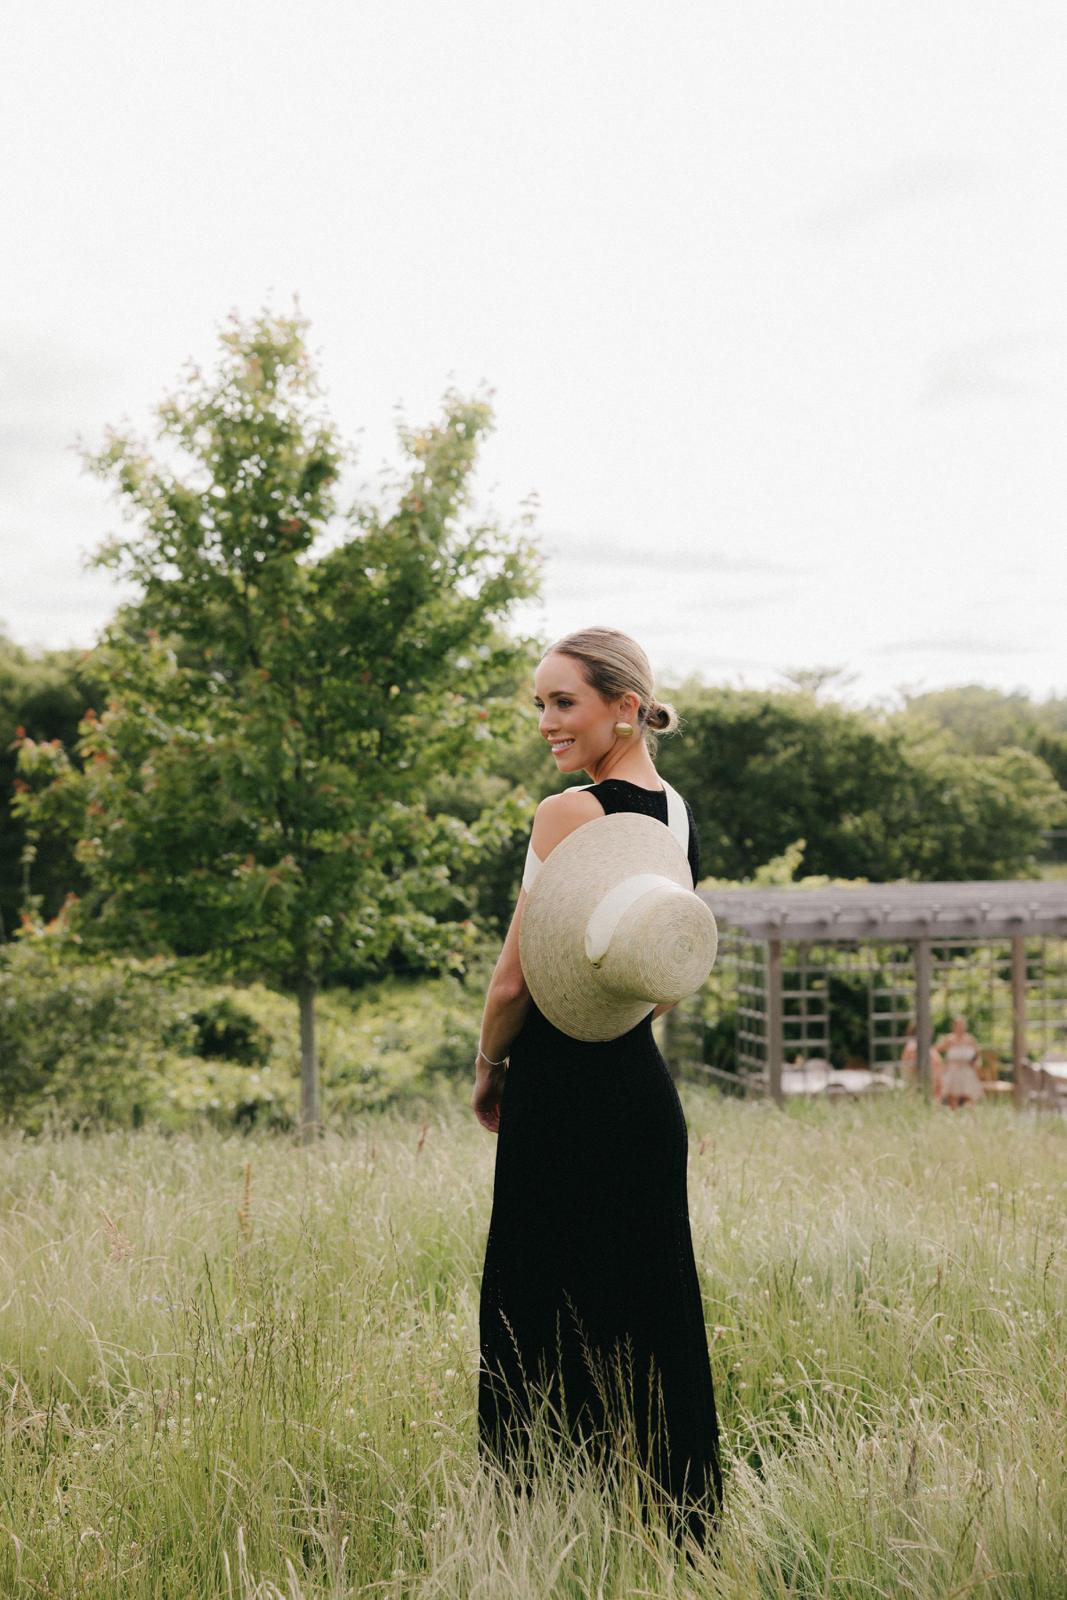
[[508, 999], [506, 1004]]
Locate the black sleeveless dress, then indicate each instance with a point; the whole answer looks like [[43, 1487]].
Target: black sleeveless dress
[[590, 1299]]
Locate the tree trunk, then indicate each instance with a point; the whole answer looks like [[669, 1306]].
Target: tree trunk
[[310, 1117]]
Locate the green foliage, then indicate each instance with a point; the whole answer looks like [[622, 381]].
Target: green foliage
[[720, 1039], [848, 1001], [112, 1043], [254, 792], [44, 696], [875, 799], [1051, 746], [984, 720], [117, 1042], [781, 869], [225, 1029], [89, 1039]]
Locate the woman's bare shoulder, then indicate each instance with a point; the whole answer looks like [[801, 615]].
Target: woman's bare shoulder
[[559, 814], [577, 801]]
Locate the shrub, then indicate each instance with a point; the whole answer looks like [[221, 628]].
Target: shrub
[[121, 1042], [455, 1050], [87, 1038], [225, 1029]]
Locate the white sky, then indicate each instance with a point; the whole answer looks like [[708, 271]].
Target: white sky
[[771, 296]]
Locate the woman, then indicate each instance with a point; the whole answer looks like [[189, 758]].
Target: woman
[[590, 1301], [909, 1062], [960, 1080]]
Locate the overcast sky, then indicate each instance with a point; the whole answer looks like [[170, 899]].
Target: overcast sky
[[771, 296]]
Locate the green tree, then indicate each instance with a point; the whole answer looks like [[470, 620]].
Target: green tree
[[43, 694], [1051, 746], [983, 720], [282, 693], [872, 798], [813, 680]]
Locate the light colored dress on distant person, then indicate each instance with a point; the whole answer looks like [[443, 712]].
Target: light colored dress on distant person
[[960, 1075]]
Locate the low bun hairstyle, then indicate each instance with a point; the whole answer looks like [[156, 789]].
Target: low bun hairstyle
[[662, 717], [614, 665]]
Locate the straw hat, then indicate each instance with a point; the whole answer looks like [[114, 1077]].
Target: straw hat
[[611, 927]]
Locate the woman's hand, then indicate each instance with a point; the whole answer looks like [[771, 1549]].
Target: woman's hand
[[488, 1088]]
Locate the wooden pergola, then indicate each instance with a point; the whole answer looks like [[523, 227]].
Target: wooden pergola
[[925, 918]]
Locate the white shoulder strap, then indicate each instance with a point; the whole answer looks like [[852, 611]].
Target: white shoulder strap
[[677, 822], [531, 869], [677, 816]]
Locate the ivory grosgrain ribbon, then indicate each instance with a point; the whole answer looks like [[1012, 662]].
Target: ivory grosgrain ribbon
[[613, 907]]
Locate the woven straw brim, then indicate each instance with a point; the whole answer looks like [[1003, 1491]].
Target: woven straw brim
[[662, 949]]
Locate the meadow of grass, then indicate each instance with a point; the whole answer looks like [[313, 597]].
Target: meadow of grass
[[232, 1366]]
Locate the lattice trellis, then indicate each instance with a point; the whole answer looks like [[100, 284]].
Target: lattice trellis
[[1046, 1001], [745, 962], [969, 976]]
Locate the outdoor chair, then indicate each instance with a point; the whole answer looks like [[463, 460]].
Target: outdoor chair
[[988, 1066], [1043, 1087], [807, 1077]]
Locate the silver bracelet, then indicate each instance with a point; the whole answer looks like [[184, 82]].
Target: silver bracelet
[[489, 1063]]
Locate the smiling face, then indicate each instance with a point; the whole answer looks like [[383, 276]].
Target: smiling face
[[577, 723]]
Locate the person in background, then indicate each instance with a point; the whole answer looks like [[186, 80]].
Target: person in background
[[960, 1081], [909, 1061]]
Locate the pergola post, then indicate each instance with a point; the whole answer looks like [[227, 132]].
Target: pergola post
[[923, 1018], [775, 1029], [1018, 1016]]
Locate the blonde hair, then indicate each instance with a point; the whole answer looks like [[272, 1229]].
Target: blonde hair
[[614, 665]]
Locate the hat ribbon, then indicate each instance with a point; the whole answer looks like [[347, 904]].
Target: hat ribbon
[[611, 909]]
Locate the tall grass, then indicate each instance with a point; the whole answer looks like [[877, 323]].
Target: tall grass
[[232, 1366]]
